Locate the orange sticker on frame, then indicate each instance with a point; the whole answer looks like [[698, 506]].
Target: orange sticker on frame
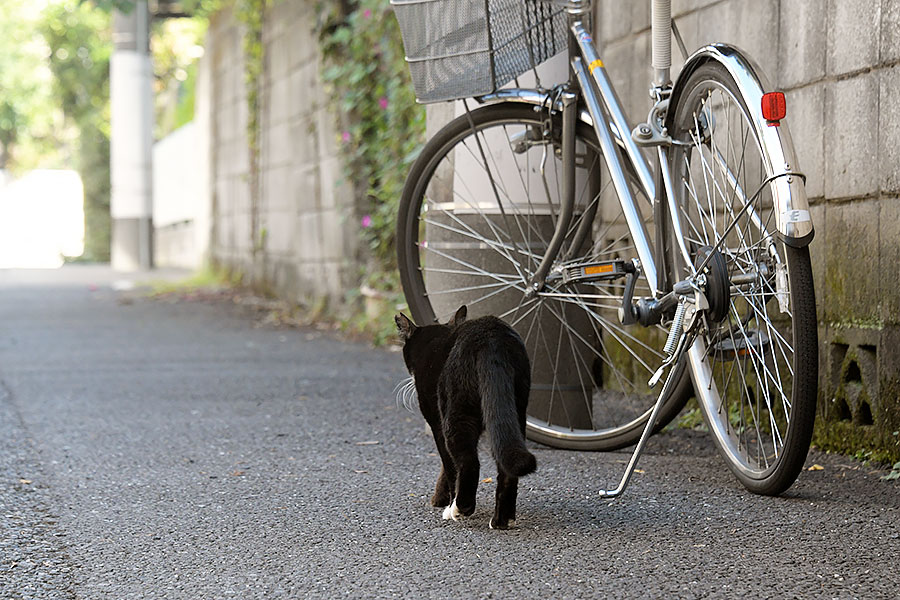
[[595, 64]]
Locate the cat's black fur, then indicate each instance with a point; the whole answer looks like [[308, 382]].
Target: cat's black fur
[[472, 376]]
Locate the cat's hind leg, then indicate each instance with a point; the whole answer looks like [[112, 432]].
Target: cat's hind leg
[[463, 447], [443, 489], [505, 504], [446, 483]]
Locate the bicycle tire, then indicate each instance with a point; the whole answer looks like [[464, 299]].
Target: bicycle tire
[[448, 233], [757, 390]]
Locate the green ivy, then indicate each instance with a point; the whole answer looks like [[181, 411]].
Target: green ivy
[[381, 127], [252, 14]]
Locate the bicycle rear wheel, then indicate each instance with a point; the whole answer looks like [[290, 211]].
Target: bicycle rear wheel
[[755, 371], [477, 213]]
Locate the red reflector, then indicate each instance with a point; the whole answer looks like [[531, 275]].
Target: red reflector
[[773, 106]]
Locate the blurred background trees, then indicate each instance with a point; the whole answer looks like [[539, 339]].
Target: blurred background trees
[[54, 92]]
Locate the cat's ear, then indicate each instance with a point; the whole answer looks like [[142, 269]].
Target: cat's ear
[[459, 317], [405, 327]]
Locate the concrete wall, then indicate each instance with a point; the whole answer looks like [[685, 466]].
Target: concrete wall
[[837, 62], [179, 197], [295, 234], [182, 199]]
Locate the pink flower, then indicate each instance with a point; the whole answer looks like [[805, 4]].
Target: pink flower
[[346, 137], [367, 13], [366, 221], [383, 102]]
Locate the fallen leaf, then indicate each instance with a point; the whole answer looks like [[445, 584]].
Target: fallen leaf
[[25, 481], [368, 443], [237, 473], [487, 480], [816, 468], [641, 471]]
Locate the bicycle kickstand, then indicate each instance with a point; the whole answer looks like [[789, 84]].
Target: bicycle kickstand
[[674, 361]]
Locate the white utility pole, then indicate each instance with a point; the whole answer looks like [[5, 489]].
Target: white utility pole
[[131, 142]]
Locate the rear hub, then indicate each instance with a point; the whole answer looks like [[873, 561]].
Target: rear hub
[[718, 284]]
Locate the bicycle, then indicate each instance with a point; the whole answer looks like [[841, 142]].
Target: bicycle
[[541, 207]]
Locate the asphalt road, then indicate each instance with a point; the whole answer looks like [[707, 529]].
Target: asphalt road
[[153, 449]]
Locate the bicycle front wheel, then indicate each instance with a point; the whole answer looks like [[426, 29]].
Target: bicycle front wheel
[[755, 370], [477, 214]]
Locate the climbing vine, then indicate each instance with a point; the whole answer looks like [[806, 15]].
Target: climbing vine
[[251, 13], [381, 126]]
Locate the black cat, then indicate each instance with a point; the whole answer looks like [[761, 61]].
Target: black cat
[[472, 376]]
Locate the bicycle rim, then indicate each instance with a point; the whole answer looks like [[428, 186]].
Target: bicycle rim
[[477, 215], [754, 371]]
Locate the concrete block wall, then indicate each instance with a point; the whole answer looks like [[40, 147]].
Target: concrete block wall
[[838, 62], [295, 235]]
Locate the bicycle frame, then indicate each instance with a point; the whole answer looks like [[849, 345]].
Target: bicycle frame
[[621, 152]]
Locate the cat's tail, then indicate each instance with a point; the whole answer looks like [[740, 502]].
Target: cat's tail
[[501, 418]]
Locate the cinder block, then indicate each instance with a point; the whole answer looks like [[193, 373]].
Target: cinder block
[[277, 190], [240, 196], [852, 274], [889, 257], [335, 226], [640, 16], [687, 27], [304, 141], [802, 42], [278, 58], [225, 122], [751, 26], [303, 89], [303, 49], [279, 102], [806, 106], [890, 30], [851, 147], [308, 240], [889, 129], [305, 189], [241, 156], [277, 21], [225, 238], [279, 147], [242, 241], [638, 102], [334, 188], [853, 40], [280, 232], [328, 136], [619, 60], [224, 198], [681, 7], [716, 24], [615, 20]]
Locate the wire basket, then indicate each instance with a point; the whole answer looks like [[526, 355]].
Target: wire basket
[[464, 48]]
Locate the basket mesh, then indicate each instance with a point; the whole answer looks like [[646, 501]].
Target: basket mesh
[[459, 49]]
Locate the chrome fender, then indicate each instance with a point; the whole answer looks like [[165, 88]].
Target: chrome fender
[[792, 216]]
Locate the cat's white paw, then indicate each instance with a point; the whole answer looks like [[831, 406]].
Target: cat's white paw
[[451, 512]]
